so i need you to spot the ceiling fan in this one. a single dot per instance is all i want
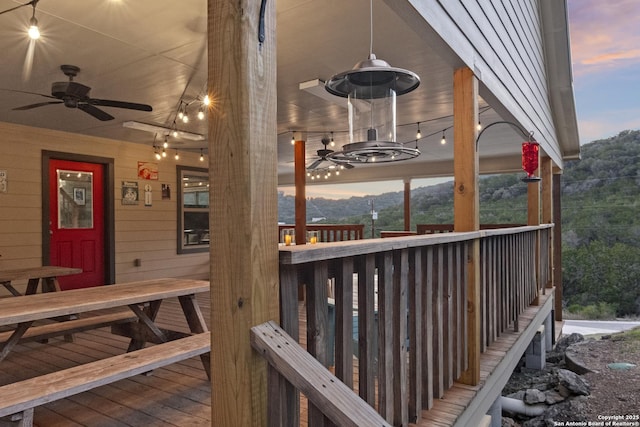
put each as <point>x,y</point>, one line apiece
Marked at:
<point>322,157</point>
<point>75,95</point>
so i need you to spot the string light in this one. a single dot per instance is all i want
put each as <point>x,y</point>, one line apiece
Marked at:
<point>418,133</point>
<point>443,141</point>
<point>479,127</point>
<point>332,141</point>
<point>293,139</point>
<point>206,100</point>
<point>201,113</point>
<point>177,156</point>
<point>180,111</point>
<point>166,141</point>
<point>201,155</point>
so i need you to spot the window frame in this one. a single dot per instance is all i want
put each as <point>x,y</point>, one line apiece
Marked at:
<point>182,246</point>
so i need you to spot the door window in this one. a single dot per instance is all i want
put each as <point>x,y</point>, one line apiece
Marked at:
<point>75,199</point>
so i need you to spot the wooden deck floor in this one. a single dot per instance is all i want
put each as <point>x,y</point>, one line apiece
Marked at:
<point>178,395</point>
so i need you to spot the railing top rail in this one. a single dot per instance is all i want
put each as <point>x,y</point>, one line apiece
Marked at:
<point>325,251</point>
<point>300,254</point>
<point>514,230</point>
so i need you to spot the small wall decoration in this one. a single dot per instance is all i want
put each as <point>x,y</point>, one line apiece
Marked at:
<point>79,196</point>
<point>148,199</point>
<point>166,192</point>
<point>147,170</point>
<point>3,181</point>
<point>129,193</point>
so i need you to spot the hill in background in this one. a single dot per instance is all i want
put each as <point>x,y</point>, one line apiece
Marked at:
<point>600,219</point>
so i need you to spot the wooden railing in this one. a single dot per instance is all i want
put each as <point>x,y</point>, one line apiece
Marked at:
<point>331,232</point>
<point>403,296</point>
<point>447,228</point>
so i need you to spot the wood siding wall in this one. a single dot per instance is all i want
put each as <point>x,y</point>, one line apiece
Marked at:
<point>147,233</point>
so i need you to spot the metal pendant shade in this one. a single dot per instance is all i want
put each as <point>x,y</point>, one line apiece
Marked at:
<point>371,79</point>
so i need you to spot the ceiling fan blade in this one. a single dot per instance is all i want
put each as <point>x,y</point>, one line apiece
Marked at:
<point>120,104</point>
<point>39,104</point>
<point>30,93</point>
<point>315,164</point>
<point>95,112</point>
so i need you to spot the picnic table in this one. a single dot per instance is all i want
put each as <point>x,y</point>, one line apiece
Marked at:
<point>143,299</point>
<point>46,274</point>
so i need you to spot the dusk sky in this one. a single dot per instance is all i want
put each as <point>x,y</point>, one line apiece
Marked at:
<point>605,45</point>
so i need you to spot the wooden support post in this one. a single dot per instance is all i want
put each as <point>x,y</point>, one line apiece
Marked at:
<point>407,204</point>
<point>533,218</point>
<point>466,204</point>
<point>557,244</point>
<point>243,157</point>
<point>300,174</point>
<point>546,173</point>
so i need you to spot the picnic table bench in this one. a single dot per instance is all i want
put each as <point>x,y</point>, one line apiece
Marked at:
<point>143,298</point>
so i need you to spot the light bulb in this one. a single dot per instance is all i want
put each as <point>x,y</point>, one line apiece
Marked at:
<point>200,114</point>
<point>332,142</point>
<point>158,156</point>
<point>418,134</point>
<point>206,100</point>
<point>177,156</point>
<point>180,114</point>
<point>479,127</point>
<point>164,153</point>
<point>166,142</point>
<point>293,139</point>
<point>185,118</point>
<point>34,32</point>
<point>201,156</point>
<point>443,141</point>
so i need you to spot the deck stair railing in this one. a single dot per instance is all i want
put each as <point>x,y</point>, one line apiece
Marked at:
<point>400,308</point>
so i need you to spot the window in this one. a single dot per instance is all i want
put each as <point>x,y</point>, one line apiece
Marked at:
<point>193,209</point>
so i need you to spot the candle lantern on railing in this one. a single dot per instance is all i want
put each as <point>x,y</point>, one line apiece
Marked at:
<point>530,155</point>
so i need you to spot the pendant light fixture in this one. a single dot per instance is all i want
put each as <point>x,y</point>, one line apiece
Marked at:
<point>371,87</point>
<point>34,32</point>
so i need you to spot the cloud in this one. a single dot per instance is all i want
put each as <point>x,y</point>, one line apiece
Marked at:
<point>592,129</point>
<point>604,34</point>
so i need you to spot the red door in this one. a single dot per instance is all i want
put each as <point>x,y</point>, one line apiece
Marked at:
<point>76,224</point>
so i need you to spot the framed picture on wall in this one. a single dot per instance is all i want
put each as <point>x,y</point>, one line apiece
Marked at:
<point>79,196</point>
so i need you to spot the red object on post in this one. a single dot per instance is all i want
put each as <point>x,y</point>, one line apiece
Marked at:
<point>530,154</point>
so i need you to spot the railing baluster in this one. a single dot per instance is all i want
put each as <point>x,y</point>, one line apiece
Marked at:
<point>317,326</point>
<point>428,325</point>
<point>385,336</point>
<point>344,320</point>
<point>400,283</point>
<point>416,325</point>
<point>438,320</point>
<point>366,328</point>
